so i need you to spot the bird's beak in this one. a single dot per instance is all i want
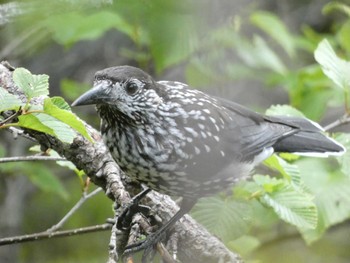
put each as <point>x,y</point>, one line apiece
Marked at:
<point>97,95</point>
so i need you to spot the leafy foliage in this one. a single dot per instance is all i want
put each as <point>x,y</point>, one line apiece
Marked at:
<point>54,118</point>
<point>89,27</point>
<point>235,216</point>
<point>31,85</point>
<point>289,202</point>
<point>275,28</point>
<point>333,67</point>
<point>8,101</point>
<point>309,195</point>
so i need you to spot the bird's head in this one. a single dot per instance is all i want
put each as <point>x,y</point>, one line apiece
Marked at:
<point>124,89</point>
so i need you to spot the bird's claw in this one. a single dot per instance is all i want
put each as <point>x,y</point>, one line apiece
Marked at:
<point>133,207</point>
<point>148,245</point>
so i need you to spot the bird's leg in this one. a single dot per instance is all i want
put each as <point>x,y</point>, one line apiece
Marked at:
<point>149,243</point>
<point>133,207</point>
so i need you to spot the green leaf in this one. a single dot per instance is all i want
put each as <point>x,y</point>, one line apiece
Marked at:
<point>32,85</point>
<point>289,171</point>
<point>244,245</point>
<point>344,35</point>
<point>170,44</point>
<point>290,204</point>
<point>61,130</point>
<point>8,101</point>
<point>269,184</point>
<point>60,103</point>
<point>30,121</point>
<point>335,6</point>
<point>69,28</point>
<point>338,70</point>
<point>332,194</point>
<point>43,178</point>
<point>226,218</point>
<point>47,124</point>
<point>55,121</point>
<point>66,117</point>
<point>283,110</point>
<point>260,55</point>
<point>275,28</point>
<point>344,160</point>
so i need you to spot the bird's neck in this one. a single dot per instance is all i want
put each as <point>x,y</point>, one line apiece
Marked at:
<point>113,117</point>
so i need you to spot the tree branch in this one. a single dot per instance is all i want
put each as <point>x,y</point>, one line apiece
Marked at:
<point>47,234</point>
<point>345,119</point>
<point>30,158</point>
<point>195,244</point>
<point>81,201</point>
<point>17,132</point>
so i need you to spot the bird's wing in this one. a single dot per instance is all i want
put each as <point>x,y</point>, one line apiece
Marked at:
<point>250,133</point>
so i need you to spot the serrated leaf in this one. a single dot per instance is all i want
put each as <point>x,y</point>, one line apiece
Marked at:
<point>8,101</point>
<point>292,206</point>
<point>274,27</point>
<point>338,70</point>
<point>344,160</point>
<point>32,85</point>
<point>269,184</point>
<point>283,110</point>
<point>60,103</point>
<point>332,194</point>
<point>289,171</point>
<point>43,178</point>
<point>226,218</point>
<point>30,121</point>
<point>66,117</point>
<point>61,130</point>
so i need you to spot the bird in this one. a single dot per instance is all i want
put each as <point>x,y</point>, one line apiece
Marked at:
<point>183,142</point>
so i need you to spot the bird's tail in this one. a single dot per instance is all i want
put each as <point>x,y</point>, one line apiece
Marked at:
<point>308,139</point>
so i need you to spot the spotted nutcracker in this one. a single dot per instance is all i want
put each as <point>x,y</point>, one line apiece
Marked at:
<point>184,142</point>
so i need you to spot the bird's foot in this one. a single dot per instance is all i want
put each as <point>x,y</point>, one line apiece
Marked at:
<point>148,245</point>
<point>133,207</point>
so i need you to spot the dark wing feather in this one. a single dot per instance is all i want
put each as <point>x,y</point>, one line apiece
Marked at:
<point>250,133</point>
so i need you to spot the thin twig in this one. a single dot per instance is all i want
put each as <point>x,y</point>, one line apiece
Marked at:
<point>73,210</point>
<point>13,116</point>
<point>31,158</point>
<point>47,235</point>
<point>16,132</point>
<point>339,122</point>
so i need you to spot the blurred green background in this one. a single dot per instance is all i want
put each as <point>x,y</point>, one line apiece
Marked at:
<point>255,52</point>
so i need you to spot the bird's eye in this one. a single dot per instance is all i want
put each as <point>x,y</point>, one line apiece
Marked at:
<point>131,88</point>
